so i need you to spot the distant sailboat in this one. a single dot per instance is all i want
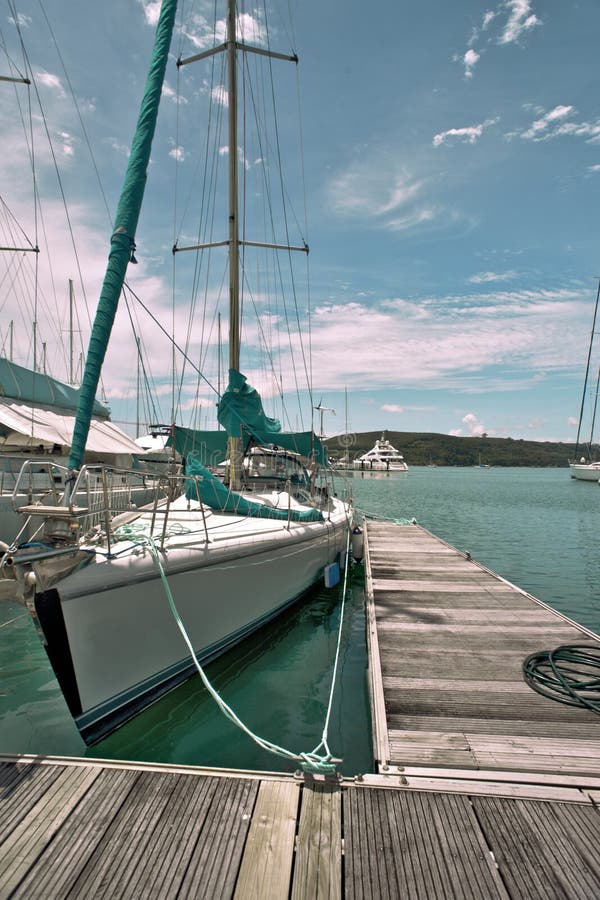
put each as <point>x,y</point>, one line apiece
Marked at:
<point>232,557</point>
<point>587,467</point>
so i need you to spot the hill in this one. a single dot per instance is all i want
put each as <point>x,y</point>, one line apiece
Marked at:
<point>421,449</point>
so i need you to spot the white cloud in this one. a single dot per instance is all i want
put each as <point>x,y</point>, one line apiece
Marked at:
<point>469,134</point>
<point>413,219</point>
<point>470,60</point>
<point>151,11</point>
<point>552,124</point>
<point>370,189</point>
<point>474,426</point>
<point>520,19</point>
<point>392,408</point>
<point>572,421</point>
<point>219,94</point>
<point>50,81</point>
<point>542,124</point>
<point>250,29</point>
<point>488,277</point>
<point>167,91</point>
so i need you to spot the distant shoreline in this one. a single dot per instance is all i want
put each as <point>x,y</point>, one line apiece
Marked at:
<point>430,449</point>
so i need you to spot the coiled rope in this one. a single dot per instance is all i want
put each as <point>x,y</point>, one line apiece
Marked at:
<point>318,761</point>
<point>569,674</point>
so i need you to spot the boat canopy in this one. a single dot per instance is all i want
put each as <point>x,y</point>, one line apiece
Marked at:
<point>27,386</point>
<point>210,490</point>
<point>240,410</point>
<point>28,426</point>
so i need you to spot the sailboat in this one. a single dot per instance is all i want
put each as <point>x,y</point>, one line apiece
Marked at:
<point>230,557</point>
<point>37,415</point>
<point>587,466</point>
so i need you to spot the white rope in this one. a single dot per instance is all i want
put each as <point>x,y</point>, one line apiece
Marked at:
<point>323,763</point>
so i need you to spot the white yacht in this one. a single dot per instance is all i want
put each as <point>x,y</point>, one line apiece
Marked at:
<point>381,458</point>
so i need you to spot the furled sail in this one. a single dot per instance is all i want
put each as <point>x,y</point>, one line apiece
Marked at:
<point>240,410</point>
<point>122,243</point>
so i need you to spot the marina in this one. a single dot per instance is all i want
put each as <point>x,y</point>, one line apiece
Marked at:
<point>496,798</point>
<point>168,659</point>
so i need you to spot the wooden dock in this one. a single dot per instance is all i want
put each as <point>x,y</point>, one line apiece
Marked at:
<point>83,828</point>
<point>483,788</point>
<point>447,639</point>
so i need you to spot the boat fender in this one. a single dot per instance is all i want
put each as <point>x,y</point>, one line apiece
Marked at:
<point>358,544</point>
<point>331,575</point>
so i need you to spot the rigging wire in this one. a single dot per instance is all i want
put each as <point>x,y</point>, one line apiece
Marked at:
<point>37,205</point>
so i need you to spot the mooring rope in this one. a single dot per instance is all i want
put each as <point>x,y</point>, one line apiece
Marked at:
<point>315,761</point>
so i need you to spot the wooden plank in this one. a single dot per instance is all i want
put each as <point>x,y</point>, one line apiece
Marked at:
<point>514,726</point>
<point>318,866</point>
<point>441,685</point>
<point>474,787</point>
<point>407,844</point>
<point>525,744</point>
<point>56,871</point>
<point>483,600</point>
<point>211,868</point>
<point>267,861</point>
<point>381,747</point>
<point>493,705</point>
<point>456,615</point>
<point>542,762</point>
<point>543,851</point>
<point>581,783</point>
<point>26,842</point>
<point>22,787</point>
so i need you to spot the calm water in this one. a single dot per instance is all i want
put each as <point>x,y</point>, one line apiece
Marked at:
<point>536,527</point>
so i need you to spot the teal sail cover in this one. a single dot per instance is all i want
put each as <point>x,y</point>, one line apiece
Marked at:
<point>209,447</point>
<point>241,407</point>
<point>122,242</point>
<point>27,386</point>
<point>210,490</point>
<point>240,411</point>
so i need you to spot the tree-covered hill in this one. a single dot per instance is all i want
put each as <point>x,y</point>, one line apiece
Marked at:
<point>446,450</point>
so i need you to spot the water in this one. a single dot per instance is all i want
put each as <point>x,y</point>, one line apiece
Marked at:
<point>536,527</point>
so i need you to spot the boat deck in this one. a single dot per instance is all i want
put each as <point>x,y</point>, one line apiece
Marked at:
<point>83,828</point>
<point>447,640</point>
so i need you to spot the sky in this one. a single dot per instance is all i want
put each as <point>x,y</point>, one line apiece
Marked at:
<point>451,161</point>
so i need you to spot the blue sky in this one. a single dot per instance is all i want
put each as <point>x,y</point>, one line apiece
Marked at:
<point>451,154</point>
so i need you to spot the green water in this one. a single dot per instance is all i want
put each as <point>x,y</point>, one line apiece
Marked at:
<point>536,527</point>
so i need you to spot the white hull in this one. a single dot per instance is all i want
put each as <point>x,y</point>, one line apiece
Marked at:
<point>378,466</point>
<point>585,471</point>
<point>112,638</point>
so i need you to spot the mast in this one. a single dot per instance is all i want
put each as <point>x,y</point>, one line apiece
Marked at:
<point>587,372</point>
<point>234,237</point>
<point>71,381</point>
<point>234,444</point>
<point>230,47</point>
